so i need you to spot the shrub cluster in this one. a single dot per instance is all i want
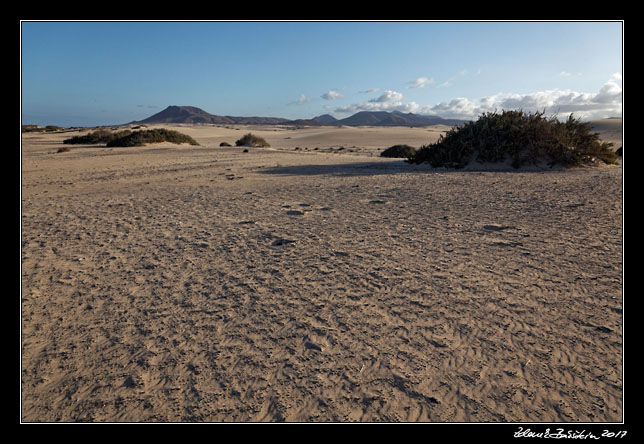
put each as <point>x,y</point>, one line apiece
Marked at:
<point>32,129</point>
<point>51,128</point>
<point>128,138</point>
<point>252,140</point>
<point>40,129</point>
<point>140,138</point>
<point>399,151</point>
<point>99,136</point>
<point>522,138</point>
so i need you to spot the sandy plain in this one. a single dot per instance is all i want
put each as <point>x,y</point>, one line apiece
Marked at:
<point>178,283</point>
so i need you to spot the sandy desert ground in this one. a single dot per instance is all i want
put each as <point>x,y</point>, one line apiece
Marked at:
<point>178,283</point>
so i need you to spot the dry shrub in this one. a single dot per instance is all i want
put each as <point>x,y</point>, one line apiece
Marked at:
<point>252,140</point>
<point>522,138</point>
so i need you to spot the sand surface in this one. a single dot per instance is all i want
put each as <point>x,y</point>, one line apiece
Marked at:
<point>179,283</point>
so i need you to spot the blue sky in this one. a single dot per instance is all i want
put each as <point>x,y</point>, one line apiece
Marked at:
<point>102,73</point>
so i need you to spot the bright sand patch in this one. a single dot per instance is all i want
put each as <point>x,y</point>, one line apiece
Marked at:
<point>178,283</point>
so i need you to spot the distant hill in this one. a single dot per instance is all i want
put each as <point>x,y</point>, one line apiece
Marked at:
<point>364,118</point>
<point>184,114</point>
<point>396,118</point>
<point>325,119</point>
<point>191,114</point>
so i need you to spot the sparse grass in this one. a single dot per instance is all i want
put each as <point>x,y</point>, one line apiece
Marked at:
<point>399,151</point>
<point>522,138</point>
<point>252,140</point>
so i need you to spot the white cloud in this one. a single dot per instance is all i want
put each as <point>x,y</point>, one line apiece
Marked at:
<point>372,90</point>
<point>568,74</point>
<point>332,95</point>
<point>611,91</point>
<point>420,82</point>
<point>387,101</point>
<point>607,102</point>
<point>302,100</point>
<point>587,106</point>
<point>459,107</point>
<point>388,96</point>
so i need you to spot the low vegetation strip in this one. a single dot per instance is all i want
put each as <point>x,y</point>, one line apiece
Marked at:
<point>518,137</point>
<point>99,136</point>
<point>140,138</point>
<point>40,129</point>
<point>127,138</point>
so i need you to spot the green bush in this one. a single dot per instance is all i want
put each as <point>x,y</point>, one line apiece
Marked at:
<point>140,138</point>
<point>399,151</point>
<point>128,138</point>
<point>99,136</point>
<point>225,144</point>
<point>519,137</point>
<point>252,140</point>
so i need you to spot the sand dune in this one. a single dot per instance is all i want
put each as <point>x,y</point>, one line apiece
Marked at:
<point>179,283</point>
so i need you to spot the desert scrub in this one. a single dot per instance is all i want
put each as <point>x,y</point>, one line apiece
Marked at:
<point>101,135</point>
<point>522,138</point>
<point>399,151</point>
<point>140,138</point>
<point>32,129</point>
<point>252,140</point>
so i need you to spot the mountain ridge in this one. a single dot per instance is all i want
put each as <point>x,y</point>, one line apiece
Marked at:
<point>192,114</point>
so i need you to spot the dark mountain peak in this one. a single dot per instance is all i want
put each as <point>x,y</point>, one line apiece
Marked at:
<point>182,114</point>
<point>325,119</point>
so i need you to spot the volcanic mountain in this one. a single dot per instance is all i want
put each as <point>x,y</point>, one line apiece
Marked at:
<point>191,114</point>
<point>395,118</point>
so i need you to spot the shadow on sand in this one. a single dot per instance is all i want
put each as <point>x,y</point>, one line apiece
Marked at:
<point>350,169</point>
<point>395,167</point>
